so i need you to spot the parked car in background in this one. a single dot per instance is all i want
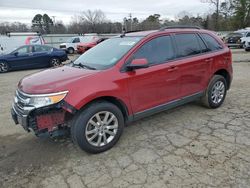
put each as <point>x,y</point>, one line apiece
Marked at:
<point>245,38</point>
<point>32,56</point>
<point>234,40</point>
<point>247,44</point>
<point>123,79</point>
<point>71,45</point>
<point>84,46</point>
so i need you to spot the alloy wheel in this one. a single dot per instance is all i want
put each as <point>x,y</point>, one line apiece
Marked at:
<point>218,92</point>
<point>3,67</point>
<point>55,62</point>
<point>101,129</point>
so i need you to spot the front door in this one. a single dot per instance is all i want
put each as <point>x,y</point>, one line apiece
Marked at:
<point>157,84</point>
<point>21,58</point>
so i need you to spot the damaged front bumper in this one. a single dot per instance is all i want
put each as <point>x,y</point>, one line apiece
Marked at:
<point>44,121</point>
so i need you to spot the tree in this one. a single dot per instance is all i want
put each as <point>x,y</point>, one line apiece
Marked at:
<point>215,3</point>
<point>42,23</point>
<point>242,13</point>
<point>151,22</point>
<point>13,27</point>
<point>93,18</point>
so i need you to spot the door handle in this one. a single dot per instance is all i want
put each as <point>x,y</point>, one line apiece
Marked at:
<point>173,68</point>
<point>208,60</point>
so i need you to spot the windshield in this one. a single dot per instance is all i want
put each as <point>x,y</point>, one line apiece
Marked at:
<point>86,39</point>
<point>107,53</point>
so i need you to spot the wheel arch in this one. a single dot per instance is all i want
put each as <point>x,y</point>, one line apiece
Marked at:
<point>114,100</point>
<point>226,75</point>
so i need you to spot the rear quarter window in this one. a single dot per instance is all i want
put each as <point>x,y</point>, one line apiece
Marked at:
<point>187,44</point>
<point>211,42</point>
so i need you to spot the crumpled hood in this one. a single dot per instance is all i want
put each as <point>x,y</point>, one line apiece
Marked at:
<point>53,80</point>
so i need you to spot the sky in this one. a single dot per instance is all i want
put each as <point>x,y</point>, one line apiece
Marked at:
<point>115,10</point>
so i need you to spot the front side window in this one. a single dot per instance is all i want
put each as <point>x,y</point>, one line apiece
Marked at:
<point>187,44</point>
<point>156,51</point>
<point>107,53</point>
<point>211,42</point>
<point>76,40</point>
<point>24,50</point>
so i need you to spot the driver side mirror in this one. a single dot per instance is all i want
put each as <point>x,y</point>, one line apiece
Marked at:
<point>16,54</point>
<point>138,64</point>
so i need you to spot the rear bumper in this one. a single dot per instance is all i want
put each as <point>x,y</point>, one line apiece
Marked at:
<point>234,44</point>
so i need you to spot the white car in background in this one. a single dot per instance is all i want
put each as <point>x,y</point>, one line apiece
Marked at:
<point>71,45</point>
<point>247,44</point>
<point>245,37</point>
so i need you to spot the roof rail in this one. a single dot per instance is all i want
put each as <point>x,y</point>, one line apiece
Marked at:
<point>179,27</point>
<point>125,32</point>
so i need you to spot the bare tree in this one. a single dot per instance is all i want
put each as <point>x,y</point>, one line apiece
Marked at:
<point>13,27</point>
<point>93,17</point>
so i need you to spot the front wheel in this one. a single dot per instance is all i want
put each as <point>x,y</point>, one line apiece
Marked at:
<point>98,127</point>
<point>4,67</point>
<point>71,50</point>
<point>216,92</point>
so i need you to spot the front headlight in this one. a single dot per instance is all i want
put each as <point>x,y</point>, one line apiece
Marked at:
<point>46,100</point>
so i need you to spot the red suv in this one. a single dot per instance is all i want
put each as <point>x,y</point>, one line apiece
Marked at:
<point>124,78</point>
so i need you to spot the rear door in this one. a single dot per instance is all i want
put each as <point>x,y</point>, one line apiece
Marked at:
<point>157,84</point>
<point>41,55</point>
<point>193,63</point>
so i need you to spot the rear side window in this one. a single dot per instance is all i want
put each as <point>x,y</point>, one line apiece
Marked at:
<point>187,44</point>
<point>42,48</point>
<point>211,42</point>
<point>156,51</point>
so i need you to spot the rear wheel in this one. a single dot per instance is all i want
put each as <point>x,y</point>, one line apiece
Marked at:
<point>55,62</point>
<point>71,50</point>
<point>98,127</point>
<point>216,92</point>
<point>4,67</point>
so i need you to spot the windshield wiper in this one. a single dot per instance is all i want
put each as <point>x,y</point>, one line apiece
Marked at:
<point>85,66</point>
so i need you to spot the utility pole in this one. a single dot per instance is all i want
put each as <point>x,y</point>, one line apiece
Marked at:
<point>54,19</point>
<point>131,24</point>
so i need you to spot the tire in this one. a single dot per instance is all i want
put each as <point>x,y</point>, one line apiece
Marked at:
<point>215,93</point>
<point>71,50</point>
<point>89,133</point>
<point>55,62</point>
<point>4,67</point>
<point>247,49</point>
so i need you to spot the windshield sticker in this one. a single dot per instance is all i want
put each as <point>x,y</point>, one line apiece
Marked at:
<point>127,43</point>
<point>113,60</point>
